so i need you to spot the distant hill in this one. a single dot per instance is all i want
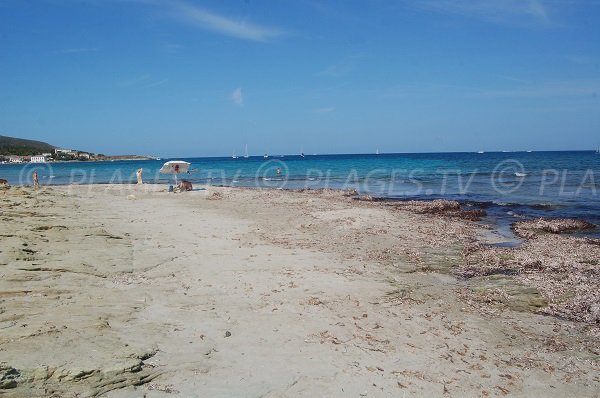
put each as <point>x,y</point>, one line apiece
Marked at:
<point>22,147</point>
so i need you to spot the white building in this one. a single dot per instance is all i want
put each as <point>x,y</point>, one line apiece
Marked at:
<point>15,159</point>
<point>38,159</point>
<point>65,151</point>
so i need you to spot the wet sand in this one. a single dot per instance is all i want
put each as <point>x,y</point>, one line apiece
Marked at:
<point>128,291</point>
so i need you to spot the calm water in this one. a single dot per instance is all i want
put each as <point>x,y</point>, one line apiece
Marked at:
<point>509,185</point>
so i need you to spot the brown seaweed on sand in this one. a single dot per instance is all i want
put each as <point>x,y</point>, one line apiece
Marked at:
<point>531,228</point>
<point>447,208</point>
<point>564,269</point>
<point>215,195</point>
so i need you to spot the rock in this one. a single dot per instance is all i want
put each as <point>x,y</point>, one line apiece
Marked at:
<point>228,334</point>
<point>8,377</point>
<point>595,313</point>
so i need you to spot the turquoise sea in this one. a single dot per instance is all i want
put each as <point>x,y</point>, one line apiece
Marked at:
<point>509,185</point>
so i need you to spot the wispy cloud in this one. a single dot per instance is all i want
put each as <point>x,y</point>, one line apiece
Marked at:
<point>342,67</point>
<point>513,89</point>
<point>78,50</point>
<point>157,83</point>
<point>513,79</point>
<point>499,11</point>
<point>589,88</point>
<point>237,97</point>
<point>144,81</point>
<point>220,24</point>
<point>136,80</point>
<point>328,109</point>
<point>584,59</point>
<point>172,47</point>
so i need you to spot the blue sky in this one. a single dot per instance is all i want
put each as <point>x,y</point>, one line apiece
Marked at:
<point>192,78</point>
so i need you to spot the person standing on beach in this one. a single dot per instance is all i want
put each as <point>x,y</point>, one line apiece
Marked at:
<point>36,182</point>
<point>139,176</point>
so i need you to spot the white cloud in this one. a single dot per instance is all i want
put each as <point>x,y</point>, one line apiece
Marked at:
<point>237,97</point>
<point>220,24</point>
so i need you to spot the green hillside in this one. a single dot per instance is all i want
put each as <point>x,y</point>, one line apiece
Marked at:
<point>22,147</point>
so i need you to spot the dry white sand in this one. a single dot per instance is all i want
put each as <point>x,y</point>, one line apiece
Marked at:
<point>128,291</point>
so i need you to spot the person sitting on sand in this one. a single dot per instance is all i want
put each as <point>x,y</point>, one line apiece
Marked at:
<point>139,176</point>
<point>36,182</point>
<point>185,186</point>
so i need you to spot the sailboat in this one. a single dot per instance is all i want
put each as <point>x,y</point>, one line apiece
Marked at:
<point>377,151</point>
<point>246,152</point>
<point>265,156</point>
<point>598,150</point>
<point>302,152</point>
<point>233,156</point>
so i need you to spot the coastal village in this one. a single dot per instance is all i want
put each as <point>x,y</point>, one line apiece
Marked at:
<point>18,150</point>
<point>57,155</point>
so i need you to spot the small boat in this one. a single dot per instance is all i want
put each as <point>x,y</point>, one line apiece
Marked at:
<point>377,151</point>
<point>246,152</point>
<point>480,152</point>
<point>233,156</point>
<point>265,156</point>
<point>598,150</point>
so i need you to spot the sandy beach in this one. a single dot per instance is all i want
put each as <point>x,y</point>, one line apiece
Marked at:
<point>131,291</point>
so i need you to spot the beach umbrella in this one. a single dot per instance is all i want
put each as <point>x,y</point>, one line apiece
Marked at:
<point>175,167</point>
